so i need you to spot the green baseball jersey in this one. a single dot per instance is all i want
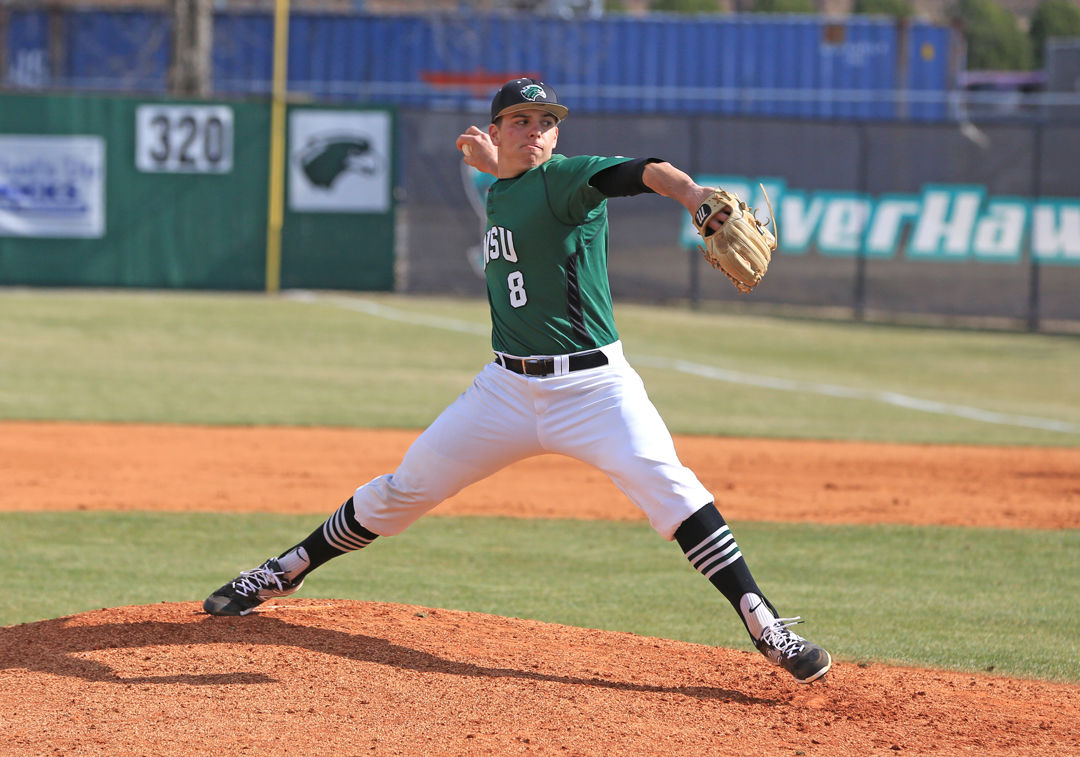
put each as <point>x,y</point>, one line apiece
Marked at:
<point>546,259</point>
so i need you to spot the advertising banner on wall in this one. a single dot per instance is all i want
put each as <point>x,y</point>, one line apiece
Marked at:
<point>943,223</point>
<point>339,161</point>
<point>52,186</point>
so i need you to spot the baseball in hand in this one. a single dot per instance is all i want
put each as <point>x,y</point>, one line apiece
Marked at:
<point>467,149</point>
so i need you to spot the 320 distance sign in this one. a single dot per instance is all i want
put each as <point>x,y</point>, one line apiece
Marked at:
<point>184,138</point>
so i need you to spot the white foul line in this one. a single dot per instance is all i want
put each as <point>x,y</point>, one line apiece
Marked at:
<point>872,395</point>
<point>391,314</point>
<point>723,374</point>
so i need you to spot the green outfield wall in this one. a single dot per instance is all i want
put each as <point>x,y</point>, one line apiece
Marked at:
<point>123,191</point>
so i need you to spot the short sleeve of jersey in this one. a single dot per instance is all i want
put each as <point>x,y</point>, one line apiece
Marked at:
<point>567,183</point>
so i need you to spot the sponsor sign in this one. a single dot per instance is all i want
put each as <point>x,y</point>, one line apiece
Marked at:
<point>944,222</point>
<point>52,186</point>
<point>339,161</point>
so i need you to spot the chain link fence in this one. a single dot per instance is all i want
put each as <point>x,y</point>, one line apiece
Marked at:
<point>991,276</point>
<point>839,158</point>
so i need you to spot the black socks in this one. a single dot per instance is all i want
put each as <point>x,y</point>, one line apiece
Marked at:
<point>338,535</point>
<point>711,548</point>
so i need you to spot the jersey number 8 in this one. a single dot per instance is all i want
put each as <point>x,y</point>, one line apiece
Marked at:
<point>516,283</point>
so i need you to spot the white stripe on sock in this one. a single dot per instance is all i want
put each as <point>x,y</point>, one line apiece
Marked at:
<point>723,565</point>
<point>705,542</point>
<point>710,553</point>
<point>715,552</point>
<point>705,565</point>
<point>339,535</point>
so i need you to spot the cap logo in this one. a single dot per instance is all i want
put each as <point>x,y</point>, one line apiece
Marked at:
<point>532,92</point>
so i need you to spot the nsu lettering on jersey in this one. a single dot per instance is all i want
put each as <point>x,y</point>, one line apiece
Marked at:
<point>499,243</point>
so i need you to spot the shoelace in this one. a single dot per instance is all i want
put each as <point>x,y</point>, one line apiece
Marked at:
<point>777,636</point>
<point>250,581</point>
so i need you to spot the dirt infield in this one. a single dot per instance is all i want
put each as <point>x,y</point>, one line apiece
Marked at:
<point>302,470</point>
<point>347,678</point>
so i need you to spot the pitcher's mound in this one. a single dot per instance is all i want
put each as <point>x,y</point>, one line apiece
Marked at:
<point>346,678</point>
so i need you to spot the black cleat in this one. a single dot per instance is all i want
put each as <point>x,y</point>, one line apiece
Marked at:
<point>250,589</point>
<point>803,659</point>
<point>774,638</point>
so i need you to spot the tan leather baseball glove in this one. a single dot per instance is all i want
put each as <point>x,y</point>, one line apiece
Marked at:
<point>742,247</point>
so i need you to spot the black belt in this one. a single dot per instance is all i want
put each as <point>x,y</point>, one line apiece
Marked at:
<point>545,366</point>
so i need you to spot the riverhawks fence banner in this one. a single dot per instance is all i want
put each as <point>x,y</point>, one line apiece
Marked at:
<point>944,222</point>
<point>339,161</point>
<point>52,186</point>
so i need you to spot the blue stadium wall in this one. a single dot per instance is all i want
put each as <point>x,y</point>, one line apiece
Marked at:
<point>788,66</point>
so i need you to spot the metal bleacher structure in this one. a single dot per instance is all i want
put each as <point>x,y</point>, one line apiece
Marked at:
<point>799,66</point>
<point>822,66</point>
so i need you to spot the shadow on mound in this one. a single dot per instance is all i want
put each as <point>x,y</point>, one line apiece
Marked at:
<point>53,646</point>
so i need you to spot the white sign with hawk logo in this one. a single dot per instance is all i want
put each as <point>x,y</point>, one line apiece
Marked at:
<point>339,161</point>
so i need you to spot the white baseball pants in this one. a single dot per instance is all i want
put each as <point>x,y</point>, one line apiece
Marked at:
<point>601,416</point>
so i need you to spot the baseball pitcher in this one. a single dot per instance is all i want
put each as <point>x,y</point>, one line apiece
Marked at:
<point>559,381</point>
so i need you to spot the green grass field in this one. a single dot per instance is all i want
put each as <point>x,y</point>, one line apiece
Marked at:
<point>972,599</point>
<point>236,359</point>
